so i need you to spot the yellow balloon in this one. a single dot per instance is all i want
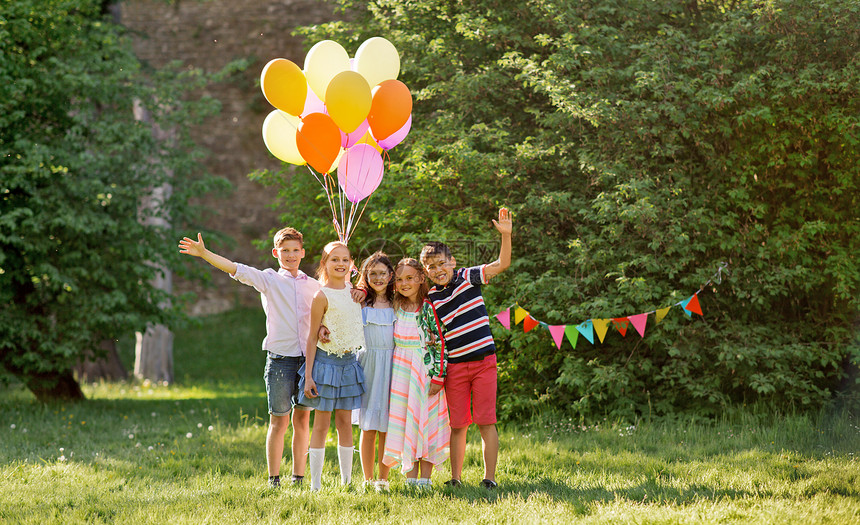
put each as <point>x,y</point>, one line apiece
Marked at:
<point>368,139</point>
<point>348,100</point>
<point>284,85</point>
<point>279,136</point>
<point>325,60</point>
<point>377,60</point>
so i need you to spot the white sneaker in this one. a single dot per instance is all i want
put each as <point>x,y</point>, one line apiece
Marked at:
<point>382,485</point>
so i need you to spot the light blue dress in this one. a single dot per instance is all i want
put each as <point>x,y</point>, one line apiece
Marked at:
<point>375,360</point>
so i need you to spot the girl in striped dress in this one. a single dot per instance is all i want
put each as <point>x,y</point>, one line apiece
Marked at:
<point>418,431</point>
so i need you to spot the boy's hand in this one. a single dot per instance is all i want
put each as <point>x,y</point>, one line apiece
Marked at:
<point>310,388</point>
<point>192,247</point>
<point>358,295</point>
<point>435,389</point>
<point>323,334</point>
<point>505,225</point>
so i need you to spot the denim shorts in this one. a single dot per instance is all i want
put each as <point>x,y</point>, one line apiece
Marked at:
<point>282,383</point>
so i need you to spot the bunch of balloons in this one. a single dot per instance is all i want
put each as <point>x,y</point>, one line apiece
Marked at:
<point>338,113</point>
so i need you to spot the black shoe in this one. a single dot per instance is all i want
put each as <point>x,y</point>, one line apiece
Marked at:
<point>274,481</point>
<point>453,483</point>
<point>297,480</point>
<point>489,484</point>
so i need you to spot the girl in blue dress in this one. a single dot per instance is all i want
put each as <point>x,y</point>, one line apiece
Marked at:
<point>377,279</point>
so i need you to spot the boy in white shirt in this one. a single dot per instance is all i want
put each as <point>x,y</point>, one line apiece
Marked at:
<point>286,295</point>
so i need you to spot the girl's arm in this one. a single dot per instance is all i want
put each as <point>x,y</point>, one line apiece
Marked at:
<point>318,308</point>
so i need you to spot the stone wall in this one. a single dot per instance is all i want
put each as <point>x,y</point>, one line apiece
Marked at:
<point>208,34</point>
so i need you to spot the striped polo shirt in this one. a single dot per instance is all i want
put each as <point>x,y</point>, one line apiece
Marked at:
<point>460,307</point>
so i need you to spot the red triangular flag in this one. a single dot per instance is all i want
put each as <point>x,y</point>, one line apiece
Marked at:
<point>621,324</point>
<point>693,305</point>
<point>529,322</point>
<point>504,317</point>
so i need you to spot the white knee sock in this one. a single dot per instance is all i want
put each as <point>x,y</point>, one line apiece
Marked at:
<point>316,458</point>
<point>344,457</point>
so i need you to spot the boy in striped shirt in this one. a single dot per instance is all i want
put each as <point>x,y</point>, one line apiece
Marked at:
<point>470,385</point>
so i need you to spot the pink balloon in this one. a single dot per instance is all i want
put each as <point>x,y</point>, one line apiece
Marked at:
<point>348,140</point>
<point>313,104</point>
<point>360,171</point>
<point>397,137</point>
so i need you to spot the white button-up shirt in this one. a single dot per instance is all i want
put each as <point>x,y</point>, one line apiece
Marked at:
<point>287,303</point>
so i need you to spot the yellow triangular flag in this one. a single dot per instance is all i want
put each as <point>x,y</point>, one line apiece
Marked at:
<point>661,313</point>
<point>600,326</point>
<point>519,315</point>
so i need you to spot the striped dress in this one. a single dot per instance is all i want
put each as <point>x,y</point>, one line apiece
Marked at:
<point>417,425</point>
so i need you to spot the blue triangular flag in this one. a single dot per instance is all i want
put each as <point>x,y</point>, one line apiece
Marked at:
<point>587,330</point>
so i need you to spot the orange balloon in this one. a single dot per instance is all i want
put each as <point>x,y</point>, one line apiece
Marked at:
<point>284,85</point>
<point>390,108</point>
<point>318,141</point>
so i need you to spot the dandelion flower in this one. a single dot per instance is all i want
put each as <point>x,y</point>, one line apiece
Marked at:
<point>211,428</point>
<point>189,435</point>
<point>199,425</point>
<point>131,436</point>
<point>12,426</point>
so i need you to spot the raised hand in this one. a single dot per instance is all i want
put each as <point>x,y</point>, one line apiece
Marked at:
<point>505,224</point>
<point>191,247</point>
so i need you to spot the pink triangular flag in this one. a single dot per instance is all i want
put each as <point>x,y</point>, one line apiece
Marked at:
<point>504,317</point>
<point>557,332</point>
<point>639,321</point>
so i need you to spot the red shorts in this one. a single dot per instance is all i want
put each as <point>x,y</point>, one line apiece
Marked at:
<point>471,389</point>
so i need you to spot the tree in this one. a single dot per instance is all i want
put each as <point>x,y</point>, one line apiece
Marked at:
<point>640,144</point>
<point>76,264</point>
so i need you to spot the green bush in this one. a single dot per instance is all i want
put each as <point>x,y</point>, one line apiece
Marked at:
<point>640,144</point>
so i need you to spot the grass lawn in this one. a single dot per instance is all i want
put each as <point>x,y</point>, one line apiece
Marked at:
<point>193,452</point>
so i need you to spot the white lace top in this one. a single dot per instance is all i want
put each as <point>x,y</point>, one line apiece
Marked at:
<point>343,319</point>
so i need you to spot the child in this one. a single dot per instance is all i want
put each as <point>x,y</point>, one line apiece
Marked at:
<point>332,378</point>
<point>418,431</point>
<point>469,346</point>
<point>286,296</point>
<point>377,278</point>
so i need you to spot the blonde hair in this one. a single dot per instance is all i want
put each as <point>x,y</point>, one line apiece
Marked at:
<point>373,260</point>
<point>423,289</point>
<point>322,275</point>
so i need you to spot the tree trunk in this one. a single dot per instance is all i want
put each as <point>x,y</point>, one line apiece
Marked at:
<point>108,367</point>
<point>154,348</point>
<point>50,386</point>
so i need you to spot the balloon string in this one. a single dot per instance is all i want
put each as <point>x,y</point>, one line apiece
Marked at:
<point>360,215</point>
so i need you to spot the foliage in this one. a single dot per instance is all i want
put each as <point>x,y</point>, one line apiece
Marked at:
<point>194,452</point>
<point>77,251</point>
<point>639,143</point>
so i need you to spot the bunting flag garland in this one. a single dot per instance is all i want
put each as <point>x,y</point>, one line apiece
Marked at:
<point>639,321</point>
<point>557,332</point>
<point>693,305</point>
<point>621,324</point>
<point>586,328</point>
<point>661,313</point>
<point>600,326</point>
<point>504,317</point>
<point>519,315</point>
<point>572,335</point>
